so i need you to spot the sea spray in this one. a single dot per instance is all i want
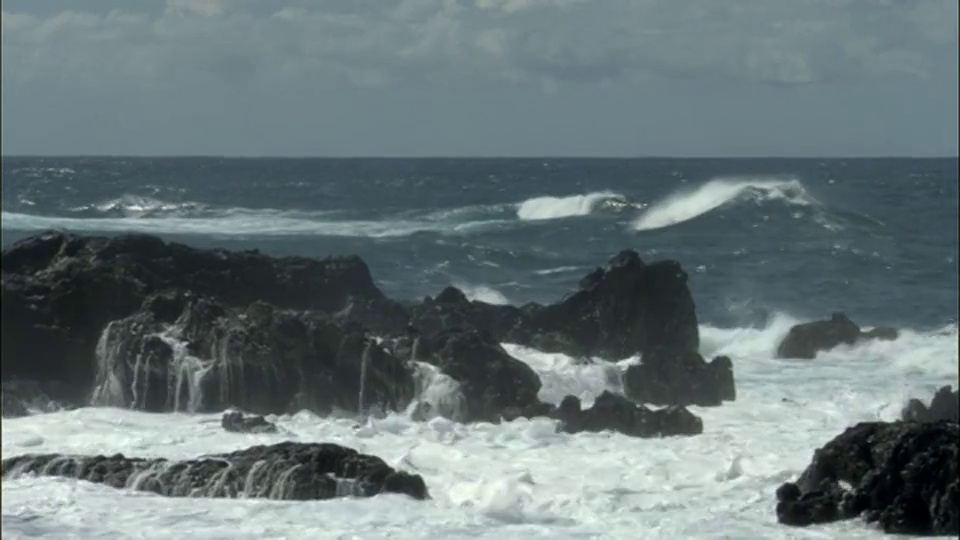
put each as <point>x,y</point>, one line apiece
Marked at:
<point>688,204</point>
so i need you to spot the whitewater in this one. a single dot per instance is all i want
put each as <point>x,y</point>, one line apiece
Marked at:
<point>518,479</point>
<point>766,244</point>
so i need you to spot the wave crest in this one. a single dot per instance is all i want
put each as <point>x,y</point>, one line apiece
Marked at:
<point>549,207</point>
<point>688,204</point>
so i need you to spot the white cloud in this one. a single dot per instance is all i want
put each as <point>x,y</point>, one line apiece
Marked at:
<point>782,42</point>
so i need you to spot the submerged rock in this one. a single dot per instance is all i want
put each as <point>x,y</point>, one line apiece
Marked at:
<point>945,405</point>
<point>611,412</point>
<point>807,339</point>
<point>680,378</point>
<point>235,422</point>
<point>902,475</point>
<point>288,471</point>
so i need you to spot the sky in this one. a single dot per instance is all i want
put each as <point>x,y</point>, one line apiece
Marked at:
<point>585,78</point>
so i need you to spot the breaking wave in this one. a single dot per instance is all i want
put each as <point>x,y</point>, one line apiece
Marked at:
<point>686,205</point>
<point>543,208</point>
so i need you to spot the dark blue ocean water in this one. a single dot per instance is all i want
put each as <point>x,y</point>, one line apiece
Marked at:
<point>876,238</point>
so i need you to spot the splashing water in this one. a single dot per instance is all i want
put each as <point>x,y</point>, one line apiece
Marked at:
<point>686,205</point>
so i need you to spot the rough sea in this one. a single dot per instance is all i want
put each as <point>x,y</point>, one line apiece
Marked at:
<point>767,243</point>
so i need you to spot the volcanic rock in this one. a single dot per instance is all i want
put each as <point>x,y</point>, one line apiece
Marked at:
<point>611,412</point>
<point>287,471</point>
<point>902,475</point>
<point>680,378</point>
<point>945,405</point>
<point>807,339</point>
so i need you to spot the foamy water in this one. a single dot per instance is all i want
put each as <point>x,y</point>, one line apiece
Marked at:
<point>688,204</point>
<point>515,480</point>
<point>543,208</point>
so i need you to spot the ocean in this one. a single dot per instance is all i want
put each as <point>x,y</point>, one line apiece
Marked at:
<point>767,243</point>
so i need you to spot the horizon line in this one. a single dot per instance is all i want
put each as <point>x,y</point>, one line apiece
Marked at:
<point>490,157</point>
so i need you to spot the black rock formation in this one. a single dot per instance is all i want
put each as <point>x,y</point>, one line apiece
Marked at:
<point>680,378</point>
<point>494,384</point>
<point>260,358</point>
<point>902,475</point>
<point>19,397</point>
<point>807,339</point>
<point>235,422</point>
<point>134,321</point>
<point>288,471</point>
<point>611,412</point>
<point>945,405</point>
<point>625,309</point>
<point>59,292</point>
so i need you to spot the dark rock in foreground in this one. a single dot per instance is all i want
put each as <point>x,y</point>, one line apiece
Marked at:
<point>235,422</point>
<point>611,412</point>
<point>945,405</point>
<point>288,471</point>
<point>902,475</point>
<point>680,378</point>
<point>807,339</point>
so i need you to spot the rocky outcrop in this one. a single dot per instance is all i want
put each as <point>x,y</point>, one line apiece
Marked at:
<point>235,422</point>
<point>494,384</point>
<point>134,321</point>
<point>667,377</point>
<point>945,405</point>
<point>807,339</point>
<point>611,412</point>
<point>287,471</point>
<point>59,291</point>
<point>627,308</point>
<point>260,358</point>
<point>901,475</point>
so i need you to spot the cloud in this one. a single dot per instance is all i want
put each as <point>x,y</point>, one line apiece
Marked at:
<point>551,42</point>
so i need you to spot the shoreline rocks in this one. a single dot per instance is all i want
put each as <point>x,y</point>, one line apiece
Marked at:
<point>805,340</point>
<point>204,329</point>
<point>945,405</point>
<point>901,475</point>
<point>284,471</point>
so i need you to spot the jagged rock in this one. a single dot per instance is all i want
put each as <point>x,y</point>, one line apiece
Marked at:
<point>59,291</point>
<point>493,383</point>
<point>58,326</point>
<point>902,475</point>
<point>628,308</point>
<point>611,412</point>
<point>235,422</point>
<point>262,359</point>
<point>287,471</point>
<point>945,405</point>
<point>680,378</point>
<point>21,396</point>
<point>807,339</point>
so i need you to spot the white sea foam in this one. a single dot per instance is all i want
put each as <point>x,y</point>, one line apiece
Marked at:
<point>482,293</point>
<point>242,222</point>
<point>543,208</point>
<point>687,204</point>
<point>520,479</point>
